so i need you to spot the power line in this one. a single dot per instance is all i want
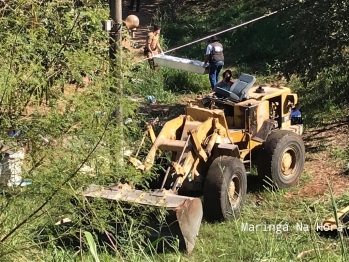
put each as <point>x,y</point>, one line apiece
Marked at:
<point>224,31</point>
<point>221,32</point>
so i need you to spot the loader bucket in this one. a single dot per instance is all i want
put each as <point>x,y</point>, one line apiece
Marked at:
<point>184,213</point>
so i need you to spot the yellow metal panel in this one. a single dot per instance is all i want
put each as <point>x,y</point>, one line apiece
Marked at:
<point>202,114</point>
<point>269,92</point>
<point>285,107</point>
<point>239,116</point>
<point>230,121</point>
<point>262,113</point>
<point>197,146</point>
<point>237,135</point>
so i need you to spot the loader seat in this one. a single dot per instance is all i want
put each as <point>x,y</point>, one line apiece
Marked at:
<point>239,90</point>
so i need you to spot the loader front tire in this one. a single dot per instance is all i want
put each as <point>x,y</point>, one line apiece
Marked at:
<point>282,158</point>
<point>225,189</point>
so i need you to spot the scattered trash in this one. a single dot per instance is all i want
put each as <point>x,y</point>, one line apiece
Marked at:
<point>151,99</point>
<point>154,122</point>
<point>15,133</point>
<point>11,168</point>
<point>128,121</point>
<point>259,200</point>
<point>25,182</point>
<point>127,152</point>
<point>46,140</point>
<point>135,99</point>
<point>85,169</point>
<point>63,221</point>
<point>300,255</point>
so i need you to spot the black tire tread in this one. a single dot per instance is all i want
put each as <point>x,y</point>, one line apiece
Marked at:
<point>270,150</point>
<point>214,186</point>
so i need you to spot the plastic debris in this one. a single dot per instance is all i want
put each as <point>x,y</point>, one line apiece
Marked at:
<point>151,99</point>
<point>63,221</point>
<point>25,182</point>
<point>46,140</point>
<point>11,168</point>
<point>15,133</point>
<point>128,121</point>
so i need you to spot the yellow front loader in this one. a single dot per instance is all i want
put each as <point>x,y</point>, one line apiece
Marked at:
<point>211,146</point>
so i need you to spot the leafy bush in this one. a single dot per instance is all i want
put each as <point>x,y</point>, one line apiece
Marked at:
<point>73,134</point>
<point>164,84</point>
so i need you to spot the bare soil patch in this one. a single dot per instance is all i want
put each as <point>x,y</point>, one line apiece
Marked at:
<point>325,164</point>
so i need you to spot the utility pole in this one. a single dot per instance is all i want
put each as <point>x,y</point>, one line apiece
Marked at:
<point>115,7</point>
<point>115,55</point>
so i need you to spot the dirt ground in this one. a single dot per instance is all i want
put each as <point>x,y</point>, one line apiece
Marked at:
<point>325,164</point>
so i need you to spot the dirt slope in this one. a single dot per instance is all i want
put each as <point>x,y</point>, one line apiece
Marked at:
<point>145,15</point>
<point>327,150</point>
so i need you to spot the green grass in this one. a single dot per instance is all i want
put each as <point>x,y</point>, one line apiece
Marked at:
<point>286,228</point>
<point>229,241</point>
<point>340,153</point>
<point>167,85</point>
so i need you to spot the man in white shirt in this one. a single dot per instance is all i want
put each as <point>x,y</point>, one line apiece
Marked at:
<point>214,56</point>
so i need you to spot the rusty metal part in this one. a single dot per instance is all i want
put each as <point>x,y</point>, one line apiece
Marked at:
<point>187,139</point>
<point>188,210</point>
<point>234,191</point>
<point>189,216</point>
<point>165,178</point>
<point>159,198</point>
<point>197,145</point>
<point>288,161</point>
<point>211,143</point>
<point>136,163</point>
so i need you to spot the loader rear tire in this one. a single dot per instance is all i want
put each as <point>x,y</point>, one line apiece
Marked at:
<point>225,189</point>
<point>281,158</point>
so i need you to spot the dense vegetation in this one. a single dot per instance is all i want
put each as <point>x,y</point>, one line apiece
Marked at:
<point>46,45</point>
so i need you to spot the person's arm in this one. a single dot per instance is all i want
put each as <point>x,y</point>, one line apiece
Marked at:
<point>149,40</point>
<point>158,46</point>
<point>207,58</point>
<point>207,54</point>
